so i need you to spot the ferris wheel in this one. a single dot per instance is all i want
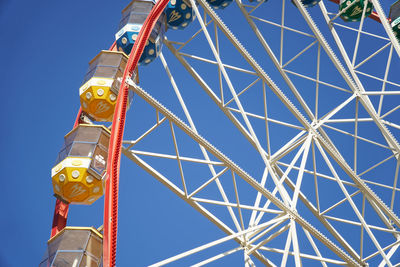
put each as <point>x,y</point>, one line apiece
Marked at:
<point>278,121</point>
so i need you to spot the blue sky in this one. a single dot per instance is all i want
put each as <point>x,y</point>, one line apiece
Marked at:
<point>44,50</point>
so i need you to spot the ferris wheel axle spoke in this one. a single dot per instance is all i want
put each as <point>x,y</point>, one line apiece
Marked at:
<point>299,179</point>
<point>322,219</point>
<point>262,74</point>
<point>249,126</point>
<point>277,233</point>
<point>242,174</point>
<point>204,152</point>
<point>206,246</point>
<point>208,90</point>
<point>389,254</point>
<point>250,137</point>
<point>356,87</point>
<point>274,222</point>
<point>353,205</point>
<point>237,200</point>
<point>332,151</point>
<point>261,233</point>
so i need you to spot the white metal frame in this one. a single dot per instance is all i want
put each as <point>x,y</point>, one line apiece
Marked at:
<point>277,210</point>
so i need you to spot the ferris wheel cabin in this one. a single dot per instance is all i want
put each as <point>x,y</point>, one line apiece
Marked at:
<point>179,14</point>
<point>352,10</point>
<point>81,165</point>
<point>394,16</point>
<point>99,91</point>
<point>308,3</point>
<point>219,4</point>
<point>74,246</point>
<point>133,18</point>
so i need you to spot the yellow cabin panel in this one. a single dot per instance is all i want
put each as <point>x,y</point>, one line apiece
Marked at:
<point>97,99</point>
<point>74,183</point>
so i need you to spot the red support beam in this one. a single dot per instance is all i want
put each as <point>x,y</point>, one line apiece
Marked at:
<point>61,209</point>
<point>60,217</point>
<point>117,132</point>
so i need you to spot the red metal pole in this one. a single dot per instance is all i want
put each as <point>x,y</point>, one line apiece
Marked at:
<point>117,132</point>
<point>61,208</point>
<point>60,217</point>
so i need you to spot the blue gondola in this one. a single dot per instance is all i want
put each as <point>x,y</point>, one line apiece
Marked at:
<point>219,4</point>
<point>179,14</point>
<point>308,3</point>
<point>133,17</point>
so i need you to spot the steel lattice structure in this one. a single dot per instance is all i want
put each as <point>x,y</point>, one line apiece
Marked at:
<point>282,208</point>
<point>314,100</point>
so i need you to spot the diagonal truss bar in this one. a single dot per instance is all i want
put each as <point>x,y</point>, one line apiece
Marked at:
<point>356,85</point>
<point>246,177</point>
<point>276,61</point>
<point>327,144</point>
<point>192,125</point>
<point>283,193</point>
<point>353,205</point>
<point>322,219</point>
<point>200,248</point>
<point>330,148</point>
<point>386,25</point>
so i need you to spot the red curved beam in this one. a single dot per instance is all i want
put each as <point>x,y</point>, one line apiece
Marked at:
<point>61,209</point>
<point>117,132</point>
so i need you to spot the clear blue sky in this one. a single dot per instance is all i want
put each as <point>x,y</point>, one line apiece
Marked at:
<point>44,50</point>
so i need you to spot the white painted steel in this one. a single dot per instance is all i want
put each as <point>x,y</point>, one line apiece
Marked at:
<point>282,208</point>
